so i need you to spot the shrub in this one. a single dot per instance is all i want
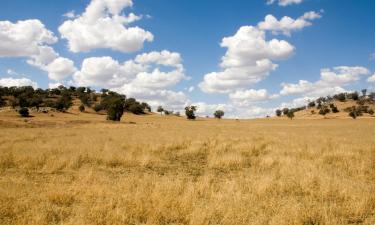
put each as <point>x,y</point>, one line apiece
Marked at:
<point>285,111</point>
<point>115,110</point>
<point>278,112</point>
<point>160,109</point>
<point>290,114</point>
<point>98,107</point>
<point>64,102</point>
<point>190,112</point>
<point>218,114</point>
<point>341,97</point>
<point>136,109</point>
<point>311,104</point>
<point>81,108</point>
<point>24,112</point>
<point>353,114</point>
<point>371,112</point>
<point>324,110</point>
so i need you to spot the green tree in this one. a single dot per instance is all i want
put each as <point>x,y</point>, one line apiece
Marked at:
<point>81,108</point>
<point>278,112</point>
<point>218,114</point>
<point>290,114</point>
<point>160,109</point>
<point>190,112</point>
<point>115,109</point>
<point>24,112</point>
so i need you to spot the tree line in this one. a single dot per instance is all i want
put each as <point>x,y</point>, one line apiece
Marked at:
<point>325,105</point>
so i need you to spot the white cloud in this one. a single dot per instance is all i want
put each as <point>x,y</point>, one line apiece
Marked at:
<point>54,85</point>
<point>10,82</point>
<point>247,61</point>
<point>24,38</point>
<point>70,14</point>
<point>30,38</point>
<point>284,2</point>
<point>246,98</point>
<point>103,25</point>
<point>148,77</point>
<point>286,24</point>
<point>371,79</point>
<point>332,81</point>
<point>191,89</point>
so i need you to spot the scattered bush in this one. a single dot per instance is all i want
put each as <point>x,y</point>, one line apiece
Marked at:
<point>98,107</point>
<point>190,112</point>
<point>160,109</point>
<point>218,114</point>
<point>278,112</point>
<point>371,112</point>
<point>290,114</point>
<point>311,104</point>
<point>285,111</point>
<point>24,112</point>
<point>115,110</point>
<point>81,108</point>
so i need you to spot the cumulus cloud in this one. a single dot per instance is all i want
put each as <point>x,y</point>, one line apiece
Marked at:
<point>371,79</point>
<point>248,60</point>
<point>332,81</point>
<point>103,25</point>
<point>245,98</point>
<point>286,24</point>
<point>24,38</point>
<point>148,77</point>
<point>17,82</point>
<point>284,2</point>
<point>30,38</point>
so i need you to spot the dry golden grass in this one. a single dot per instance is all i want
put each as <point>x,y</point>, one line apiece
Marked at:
<point>80,169</point>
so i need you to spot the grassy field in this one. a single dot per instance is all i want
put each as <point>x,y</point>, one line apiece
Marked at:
<point>81,170</point>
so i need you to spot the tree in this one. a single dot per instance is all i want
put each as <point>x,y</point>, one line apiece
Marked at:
<point>160,109</point>
<point>24,112</point>
<point>364,92</point>
<point>98,107</point>
<point>278,112</point>
<point>81,108</point>
<point>371,112</point>
<point>324,110</point>
<point>353,114</point>
<point>190,112</point>
<point>136,109</point>
<point>311,104</point>
<point>64,102</point>
<point>285,111</point>
<point>218,114</point>
<point>115,109</point>
<point>290,114</point>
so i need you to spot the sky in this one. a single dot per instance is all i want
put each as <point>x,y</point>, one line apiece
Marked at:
<point>244,57</point>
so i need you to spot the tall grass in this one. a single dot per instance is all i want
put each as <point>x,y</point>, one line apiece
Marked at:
<point>172,171</point>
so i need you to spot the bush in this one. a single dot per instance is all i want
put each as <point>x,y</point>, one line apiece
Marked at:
<point>24,112</point>
<point>64,102</point>
<point>311,104</point>
<point>324,110</point>
<point>285,111</point>
<point>160,109</point>
<point>353,114</point>
<point>290,114</point>
<point>371,112</point>
<point>98,107</point>
<point>136,109</point>
<point>278,112</point>
<point>218,114</point>
<point>190,112</point>
<point>81,108</point>
<point>115,110</point>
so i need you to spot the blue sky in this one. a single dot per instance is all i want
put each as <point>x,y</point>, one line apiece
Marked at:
<point>339,37</point>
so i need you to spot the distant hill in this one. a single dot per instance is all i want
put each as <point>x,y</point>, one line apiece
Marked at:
<point>343,105</point>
